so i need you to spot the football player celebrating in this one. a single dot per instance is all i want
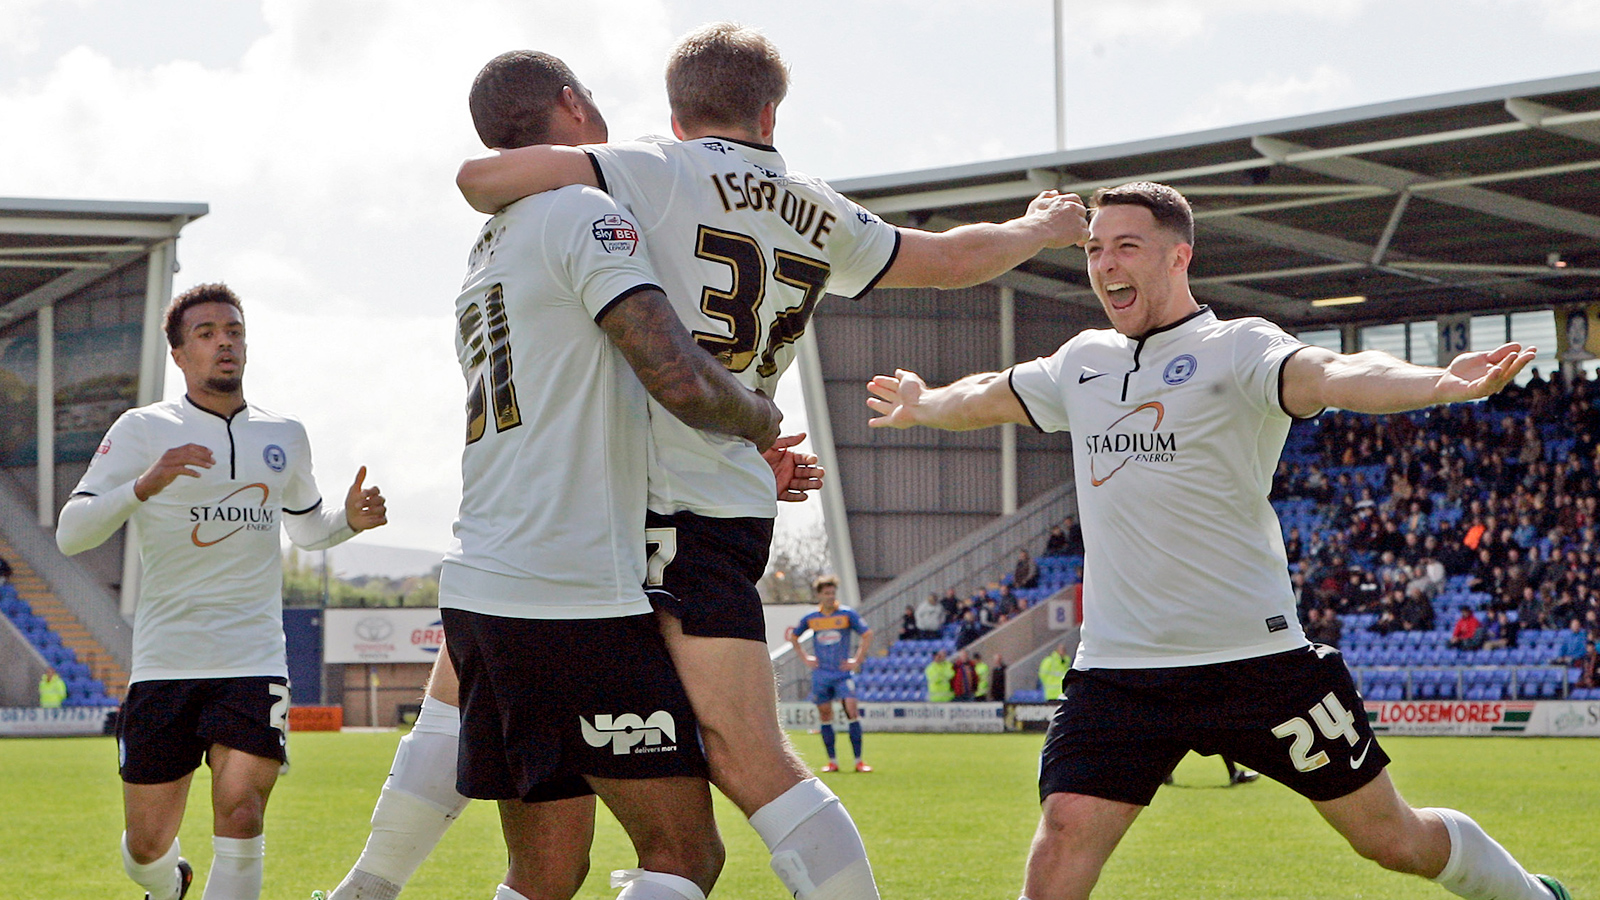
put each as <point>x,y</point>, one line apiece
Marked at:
<point>207,479</point>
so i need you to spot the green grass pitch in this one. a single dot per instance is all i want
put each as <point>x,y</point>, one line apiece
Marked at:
<point>947,816</point>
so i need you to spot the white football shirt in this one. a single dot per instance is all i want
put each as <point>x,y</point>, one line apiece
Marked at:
<point>1174,440</point>
<point>553,475</point>
<point>745,249</point>
<point>211,600</point>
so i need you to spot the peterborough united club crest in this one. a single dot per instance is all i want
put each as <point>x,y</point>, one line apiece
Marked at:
<point>616,234</point>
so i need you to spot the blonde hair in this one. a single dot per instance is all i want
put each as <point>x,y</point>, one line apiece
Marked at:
<point>724,74</point>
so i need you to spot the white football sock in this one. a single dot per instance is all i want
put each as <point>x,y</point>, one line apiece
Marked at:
<point>417,806</point>
<point>504,893</point>
<point>816,850</point>
<point>236,868</point>
<point>643,884</point>
<point>1479,868</point>
<point>158,878</point>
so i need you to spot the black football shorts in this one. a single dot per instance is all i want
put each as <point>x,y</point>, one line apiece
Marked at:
<point>545,702</point>
<point>703,570</point>
<point>166,727</point>
<point>1295,717</point>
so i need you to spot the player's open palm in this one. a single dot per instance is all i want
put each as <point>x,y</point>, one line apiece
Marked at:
<point>895,398</point>
<point>1475,375</point>
<point>364,506</point>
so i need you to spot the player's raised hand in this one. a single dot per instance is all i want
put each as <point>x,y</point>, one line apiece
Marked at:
<point>895,398</point>
<point>364,506</point>
<point>1472,376</point>
<point>182,460</point>
<point>1064,218</point>
<point>794,473</point>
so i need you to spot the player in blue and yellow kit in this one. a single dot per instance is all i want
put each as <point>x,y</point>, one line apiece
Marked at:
<point>832,667</point>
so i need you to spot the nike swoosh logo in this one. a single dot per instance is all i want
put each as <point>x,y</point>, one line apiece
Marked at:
<point>1085,376</point>
<point>1356,761</point>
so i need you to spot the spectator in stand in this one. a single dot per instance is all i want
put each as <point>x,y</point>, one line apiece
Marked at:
<point>1529,608</point>
<point>1294,547</point>
<point>930,617</point>
<point>1570,649</point>
<point>983,672</point>
<point>52,690</point>
<point>1008,605</point>
<point>1055,543</point>
<point>997,680</point>
<point>1430,577</point>
<point>8,593</point>
<point>963,677</point>
<point>1388,617</point>
<point>1324,627</point>
<point>939,673</point>
<point>968,630</point>
<point>1493,631</point>
<point>1465,636</point>
<point>908,624</point>
<point>1360,593</point>
<point>1074,536</point>
<point>1416,613</point>
<point>952,606</point>
<point>1053,670</point>
<point>1026,573</point>
<point>1589,666</point>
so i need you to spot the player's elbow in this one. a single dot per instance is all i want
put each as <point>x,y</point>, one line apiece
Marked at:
<point>68,545</point>
<point>474,186</point>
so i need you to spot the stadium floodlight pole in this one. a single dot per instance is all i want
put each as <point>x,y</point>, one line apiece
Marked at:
<point>1061,74</point>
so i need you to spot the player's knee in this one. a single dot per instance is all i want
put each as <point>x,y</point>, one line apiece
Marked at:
<point>144,847</point>
<point>546,880</point>
<point>698,856</point>
<point>241,817</point>
<point>1390,848</point>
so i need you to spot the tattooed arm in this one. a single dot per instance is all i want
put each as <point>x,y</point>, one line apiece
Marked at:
<point>685,379</point>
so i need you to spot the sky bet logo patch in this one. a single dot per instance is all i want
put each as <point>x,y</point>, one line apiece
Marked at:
<point>616,234</point>
<point>628,733</point>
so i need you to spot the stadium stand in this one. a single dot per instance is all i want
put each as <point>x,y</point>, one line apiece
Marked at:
<point>27,604</point>
<point>897,676</point>
<point>1399,523</point>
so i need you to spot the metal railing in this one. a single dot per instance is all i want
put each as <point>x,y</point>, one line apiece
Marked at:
<point>967,565</point>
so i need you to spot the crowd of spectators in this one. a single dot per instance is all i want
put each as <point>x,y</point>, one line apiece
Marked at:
<point>1504,493</point>
<point>965,619</point>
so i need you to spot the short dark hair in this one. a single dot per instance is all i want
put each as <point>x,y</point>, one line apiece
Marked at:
<point>216,292</point>
<point>724,74</point>
<point>1169,207</point>
<point>513,95</point>
<point>823,581</point>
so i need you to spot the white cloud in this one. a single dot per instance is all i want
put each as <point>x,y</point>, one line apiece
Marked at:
<point>19,25</point>
<point>1567,15</point>
<point>1269,97</point>
<point>327,153</point>
<point>1166,23</point>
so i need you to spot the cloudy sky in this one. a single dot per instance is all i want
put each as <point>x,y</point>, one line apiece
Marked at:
<point>325,134</point>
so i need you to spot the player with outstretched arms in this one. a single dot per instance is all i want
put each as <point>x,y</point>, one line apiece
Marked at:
<point>207,480</point>
<point>1190,640</point>
<point>746,248</point>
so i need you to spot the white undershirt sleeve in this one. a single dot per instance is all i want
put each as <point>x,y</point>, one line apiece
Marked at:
<point>318,528</point>
<point>88,519</point>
